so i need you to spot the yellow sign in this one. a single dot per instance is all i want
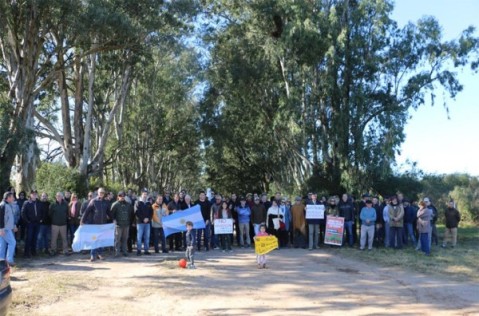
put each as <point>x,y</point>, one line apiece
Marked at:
<point>265,244</point>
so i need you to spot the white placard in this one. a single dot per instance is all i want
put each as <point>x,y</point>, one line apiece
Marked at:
<point>223,226</point>
<point>315,211</point>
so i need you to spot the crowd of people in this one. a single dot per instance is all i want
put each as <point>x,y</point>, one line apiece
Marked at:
<point>45,226</point>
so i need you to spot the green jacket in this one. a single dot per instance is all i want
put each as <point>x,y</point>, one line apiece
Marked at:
<point>396,212</point>
<point>59,213</point>
<point>122,213</point>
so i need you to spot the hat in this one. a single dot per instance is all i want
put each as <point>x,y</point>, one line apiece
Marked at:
<point>297,198</point>
<point>365,195</point>
<point>121,193</point>
<point>33,192</point>
<point>426,199</point>
<point>144,190</point>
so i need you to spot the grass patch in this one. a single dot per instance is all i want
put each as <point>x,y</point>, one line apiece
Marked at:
<point>459,263</point>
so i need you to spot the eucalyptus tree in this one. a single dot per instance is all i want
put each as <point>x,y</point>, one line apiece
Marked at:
<point>335,79</point>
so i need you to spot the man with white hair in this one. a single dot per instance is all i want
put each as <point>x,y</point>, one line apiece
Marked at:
<point>433,234</point>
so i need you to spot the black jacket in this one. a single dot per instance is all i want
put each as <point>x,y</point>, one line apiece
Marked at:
<point>97,212</point>
<point>143,210</point>
<point>32,212</point>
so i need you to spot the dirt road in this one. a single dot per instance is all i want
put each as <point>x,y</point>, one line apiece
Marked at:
<point>295,282</point>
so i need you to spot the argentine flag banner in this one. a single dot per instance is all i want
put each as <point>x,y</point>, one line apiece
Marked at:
<point>89,237</point>
<point>176,222</point>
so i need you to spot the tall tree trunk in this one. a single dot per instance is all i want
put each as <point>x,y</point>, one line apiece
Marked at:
<point>27,159</point>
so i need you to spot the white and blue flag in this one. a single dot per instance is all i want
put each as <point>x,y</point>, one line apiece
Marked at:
<point>176,222</point>
<point>89,237</point>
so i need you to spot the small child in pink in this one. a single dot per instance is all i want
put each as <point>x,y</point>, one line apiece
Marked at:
<point>261,259</point>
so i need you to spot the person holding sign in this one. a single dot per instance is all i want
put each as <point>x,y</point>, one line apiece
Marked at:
<point>314,213</point>
<point>261,259</point>
<point>225,239</point>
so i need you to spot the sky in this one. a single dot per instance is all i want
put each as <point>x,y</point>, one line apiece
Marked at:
<point>438,144</point>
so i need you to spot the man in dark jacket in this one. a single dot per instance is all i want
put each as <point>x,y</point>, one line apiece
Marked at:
<point>45,230</point>
<point>346,210</point>
<point>59,215</point>
<point>410,214</point>
<point>143,215</point>
<point>32,215</point>
<point>121,212</point>
<point>97,213</point>
<point>453,218</point>
<point>205,212</point>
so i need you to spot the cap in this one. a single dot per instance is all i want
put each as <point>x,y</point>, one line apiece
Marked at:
<point>144,190</point>
<point>121,193</point>
<point>426,200</point>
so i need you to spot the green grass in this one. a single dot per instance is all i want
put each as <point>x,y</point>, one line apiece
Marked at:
<point>460,262</point>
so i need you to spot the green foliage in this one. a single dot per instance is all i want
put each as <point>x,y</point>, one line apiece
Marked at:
<point>56,177</point>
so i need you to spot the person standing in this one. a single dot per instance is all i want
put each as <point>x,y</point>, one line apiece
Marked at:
<point>97,213</point>
<point>205,212</point>
<point>452,217</point>
<point>424,227</point>
<point>45,230</point>
<point>368,223</point>
<point>32,215</point>
<point>244,215</point>
<point>7,229</point>
<point>59,215</point>
<point>258,215</point>
<point>434,216</point>
<point>298,223</point>
<point>274,219</point>
<point>396,216</point>
<point>159,210</point>
<point>143,214</point>
<point>410,214</point>
<point>346,210</point>
<point>121,213</point>
<point>225,239</point>
<point>190,245</point>
<point>214,214</point>
<point>313,225</point>
<point>74,208</point>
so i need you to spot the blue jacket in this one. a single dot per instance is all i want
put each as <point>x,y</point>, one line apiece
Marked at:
<point>244,214</point>
<point>368,213</point>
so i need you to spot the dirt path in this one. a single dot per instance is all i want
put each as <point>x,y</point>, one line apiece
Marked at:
<point>296,282</point>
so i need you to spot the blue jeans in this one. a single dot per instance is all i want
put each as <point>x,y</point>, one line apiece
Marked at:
<point>31,241</point>
<point>425,246</point>
<point>72,229</point>
<point>44,236</point>
<point>348,228</point>
<point>387,233</point>
<point>410,233</point>
<point>7,245</point>
<point>143,234</point>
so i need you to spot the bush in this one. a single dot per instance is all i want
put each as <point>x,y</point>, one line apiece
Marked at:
<point>56,177</point>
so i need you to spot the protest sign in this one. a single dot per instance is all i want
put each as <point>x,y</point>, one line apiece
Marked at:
<point>265,244</point>
<point>223,226</point>
<point>334,231</point>
<point>315,211</point>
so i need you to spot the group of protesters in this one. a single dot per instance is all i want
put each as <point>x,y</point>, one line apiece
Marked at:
<point>39,224</point>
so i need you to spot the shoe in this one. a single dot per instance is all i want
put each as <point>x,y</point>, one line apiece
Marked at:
<point>361,248</point>
<point>100,257</point>
<point>138,253</point>
<point>165,251</point>
<point>125,254</point>
<point>310,249</point>
<point>66,253</point>
<point>157,251</point>
<point>216,248</point>
<point>12,264</point>
<point>259,266</point>
<point>147,253</point>
<point>264,265</point>
<point>92,259</point>
<point>193,267</point>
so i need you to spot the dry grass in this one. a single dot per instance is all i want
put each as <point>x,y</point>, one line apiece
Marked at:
<point>33,289</point>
